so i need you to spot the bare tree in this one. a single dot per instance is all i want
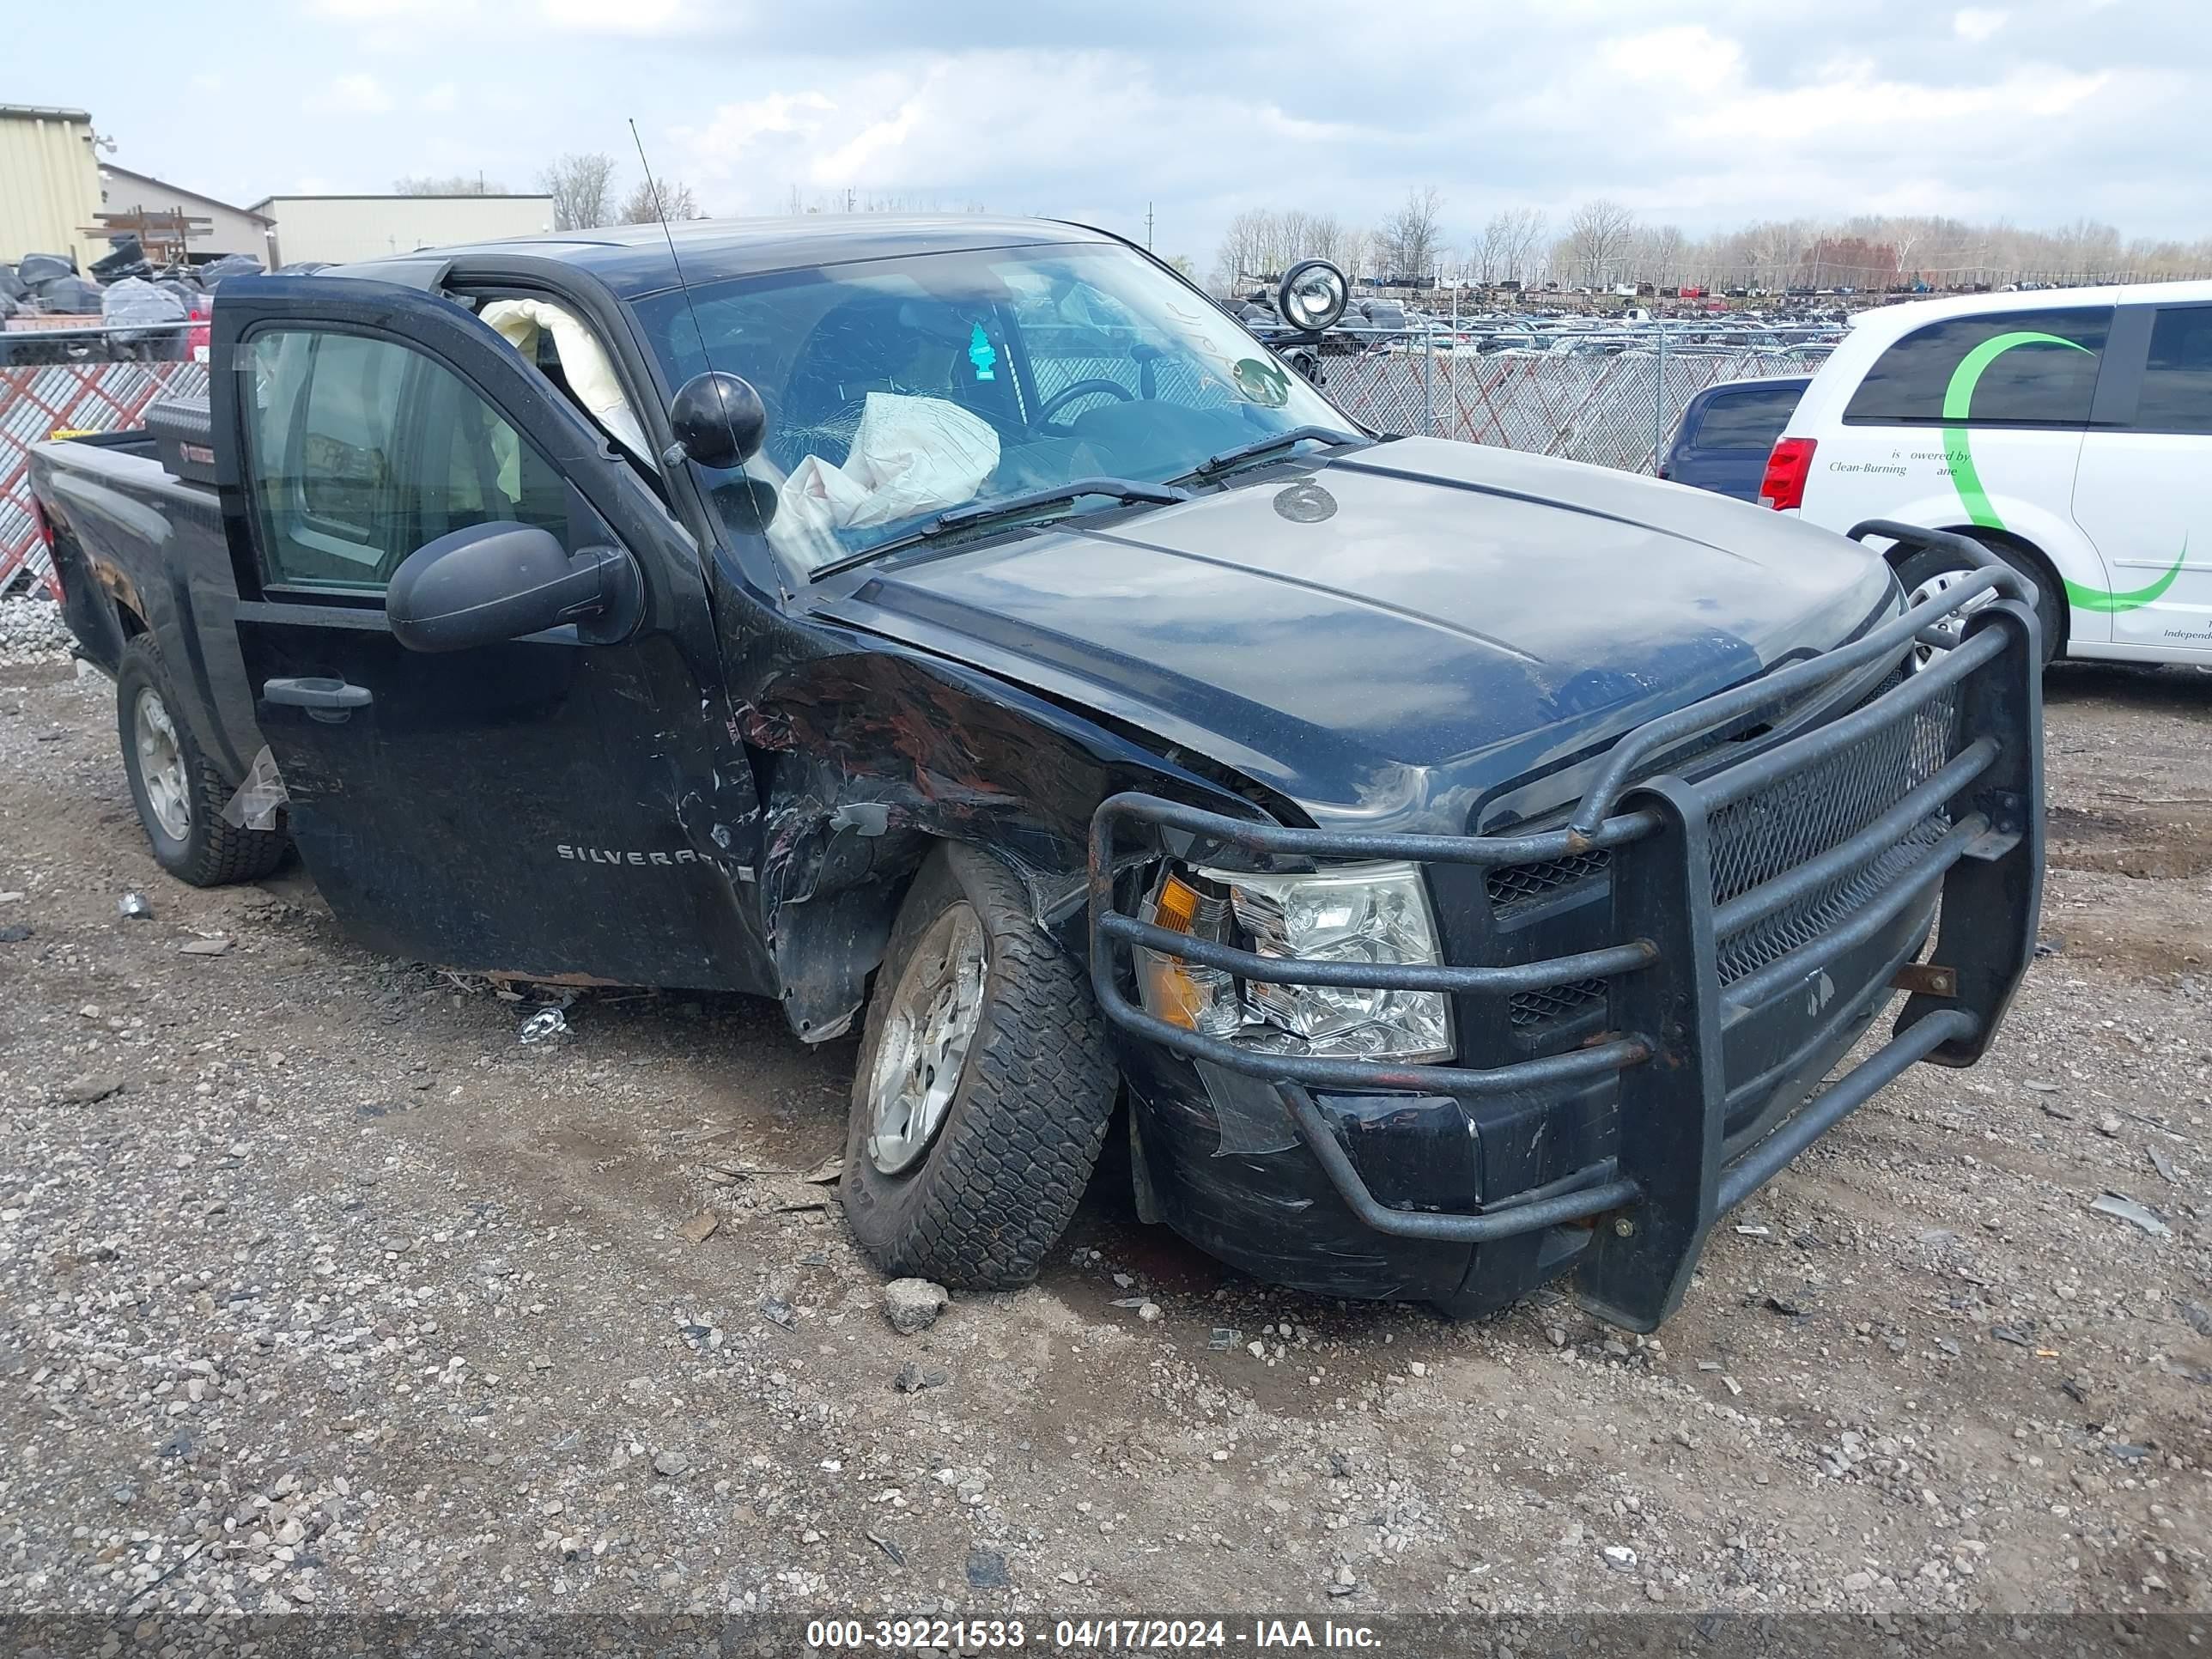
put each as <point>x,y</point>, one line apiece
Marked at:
<point>582,189</point>
<point>1525,243</point>
<point>676,202</point>
<point>456,184</point>
<point>1244,249</point>
<point>1776,248</point>
<point>1598,239</point>
<point>1871,252</point>
<point>1359,255</point>
<point>1411,239</point>
<point>1488,255</point>
<point>2087,249</point>
<point>1343,245</point>
<point>1505,252</point>
<point>1660,255</point>
<point>1260,244</point>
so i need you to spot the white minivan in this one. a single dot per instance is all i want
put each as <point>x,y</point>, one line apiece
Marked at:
<point>2069,430</point>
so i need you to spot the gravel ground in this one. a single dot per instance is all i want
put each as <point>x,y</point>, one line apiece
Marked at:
<point>319,1288</point>
<point>32,631</point>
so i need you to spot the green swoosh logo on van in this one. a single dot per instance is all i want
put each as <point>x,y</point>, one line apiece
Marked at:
<point>1958,402</point>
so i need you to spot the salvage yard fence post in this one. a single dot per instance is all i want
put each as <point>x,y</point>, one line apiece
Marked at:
<point>1429,386</point>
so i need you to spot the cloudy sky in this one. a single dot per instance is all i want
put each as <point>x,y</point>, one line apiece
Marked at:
<point>1705,114</point>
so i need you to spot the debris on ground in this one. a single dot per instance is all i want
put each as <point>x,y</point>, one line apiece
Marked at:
<point>913,1304</point>
<point>546,1023</point>
<point>2136,1215</point>
<point>90,1087</point>
<point>987,1569</point>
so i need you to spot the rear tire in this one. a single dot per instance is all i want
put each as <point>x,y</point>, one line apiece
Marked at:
<point>1924,568</point>
<point>179,795</point>
<point>974,1188</point>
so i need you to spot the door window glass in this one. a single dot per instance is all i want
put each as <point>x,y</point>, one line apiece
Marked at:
<point>2040,371</point>
<point>2177,387</point>
<point>361,450</point>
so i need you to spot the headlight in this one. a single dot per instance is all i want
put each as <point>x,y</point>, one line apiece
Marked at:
<point>1374,912</point>
<point>1312,295</point>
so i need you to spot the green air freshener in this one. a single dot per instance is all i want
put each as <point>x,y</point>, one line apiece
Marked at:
<point>980,353</point>
<point>1261,381</point>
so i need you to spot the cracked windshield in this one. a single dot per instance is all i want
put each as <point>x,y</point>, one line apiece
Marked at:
<point>897,390</point>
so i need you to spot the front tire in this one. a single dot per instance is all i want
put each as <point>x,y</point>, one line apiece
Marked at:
<point>984,1087</point>
<point>179,795</point>
<point>1927,571</point>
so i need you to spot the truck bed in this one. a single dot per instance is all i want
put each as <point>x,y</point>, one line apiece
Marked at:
<point>139,549</point>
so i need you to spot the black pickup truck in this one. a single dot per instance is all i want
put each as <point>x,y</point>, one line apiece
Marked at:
<point>1469,868</point>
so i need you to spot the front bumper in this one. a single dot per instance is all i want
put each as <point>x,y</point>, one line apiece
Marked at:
<point>1752,917</point>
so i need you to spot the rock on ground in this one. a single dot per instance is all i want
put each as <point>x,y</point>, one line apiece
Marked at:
<point>913,1304</point>
<point>32,631</point>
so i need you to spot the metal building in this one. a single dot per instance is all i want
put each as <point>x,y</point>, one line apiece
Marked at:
<point>338,229</point>
<point>49,183</point>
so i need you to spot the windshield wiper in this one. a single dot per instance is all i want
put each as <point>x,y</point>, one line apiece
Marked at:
<point>1008,507</point>
<point>1216,465</point>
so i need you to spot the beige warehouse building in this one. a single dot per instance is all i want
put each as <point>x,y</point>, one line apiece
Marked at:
<point>49,183</point>
<point>230,229</point>
<point>338,229</point>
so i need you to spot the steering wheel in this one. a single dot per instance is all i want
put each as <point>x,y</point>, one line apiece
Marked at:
<point>1068,394</point>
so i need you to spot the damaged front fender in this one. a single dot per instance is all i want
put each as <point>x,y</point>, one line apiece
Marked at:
<point>870,754</point>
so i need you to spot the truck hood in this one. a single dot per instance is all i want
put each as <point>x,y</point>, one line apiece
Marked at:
<point>1389,639</point>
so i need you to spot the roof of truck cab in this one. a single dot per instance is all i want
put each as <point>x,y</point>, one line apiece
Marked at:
<point>634,260</point>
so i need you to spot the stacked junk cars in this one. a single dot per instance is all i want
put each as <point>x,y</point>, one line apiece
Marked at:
<point>121,309</point>
<point>86,349</point>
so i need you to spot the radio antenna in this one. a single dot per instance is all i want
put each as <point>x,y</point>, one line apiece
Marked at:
<point>675,451</point>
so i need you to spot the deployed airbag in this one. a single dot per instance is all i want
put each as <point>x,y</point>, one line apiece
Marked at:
<point>584,363</point>
<point>909,456</point>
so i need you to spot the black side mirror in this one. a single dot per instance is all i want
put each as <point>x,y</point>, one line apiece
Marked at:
<point>718,420</point>
<point>499,581</point>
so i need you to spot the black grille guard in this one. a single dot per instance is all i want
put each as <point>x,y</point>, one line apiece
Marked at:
<point>1672,1175</point>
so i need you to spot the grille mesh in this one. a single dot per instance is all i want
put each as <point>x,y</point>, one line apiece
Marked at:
<point>1528,1008</point>
<point>1757,838</point>
<point>1509,884</point>
<point>1811,811</point>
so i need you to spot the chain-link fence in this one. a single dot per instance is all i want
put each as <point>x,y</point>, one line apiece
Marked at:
<point>35,402</point>
<point>1610,397</point>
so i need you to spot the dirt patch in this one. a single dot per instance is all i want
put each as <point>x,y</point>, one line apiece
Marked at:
<point>2144,840</point>
<point>342,1255</point>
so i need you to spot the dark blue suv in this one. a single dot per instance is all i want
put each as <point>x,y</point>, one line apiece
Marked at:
<point>1724,435</point>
